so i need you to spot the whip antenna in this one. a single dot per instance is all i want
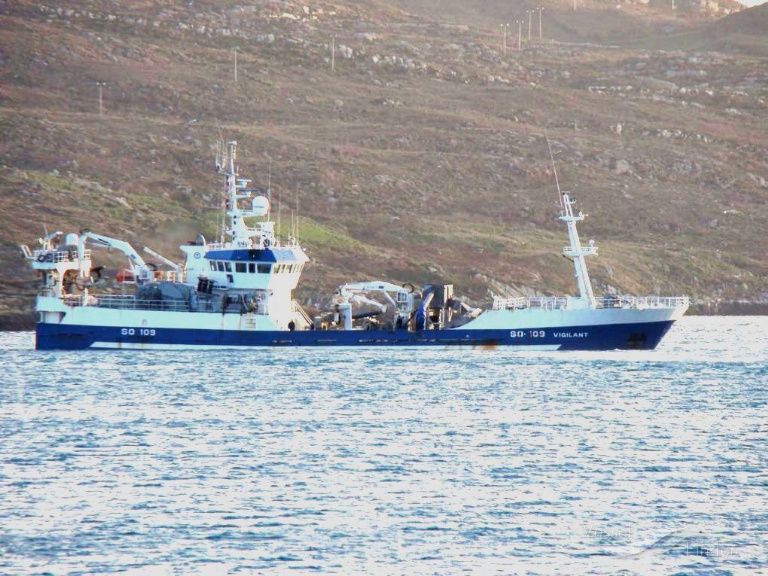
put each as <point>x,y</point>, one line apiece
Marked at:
<point>554,169</point>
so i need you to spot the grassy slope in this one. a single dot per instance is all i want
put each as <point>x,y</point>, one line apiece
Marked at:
<point>430,164</point>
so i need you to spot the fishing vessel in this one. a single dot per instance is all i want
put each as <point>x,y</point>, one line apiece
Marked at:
<point>238,293</point>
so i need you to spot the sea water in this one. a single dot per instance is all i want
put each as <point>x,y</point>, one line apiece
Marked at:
<point>388,461</point>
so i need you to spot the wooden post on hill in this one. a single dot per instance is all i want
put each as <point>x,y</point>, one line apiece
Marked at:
<point>504,28</point>
<point>101,106</point>
<point>333,52</point>
<point>540,9</point>
<point>530,14</point>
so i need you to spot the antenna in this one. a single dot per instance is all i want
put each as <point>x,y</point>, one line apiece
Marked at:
<point>279,206</point>
<point>220,143</point>
<point>554,169</point>
<point>222,226</point>
<point>269,186</point>
<point>297,214</point>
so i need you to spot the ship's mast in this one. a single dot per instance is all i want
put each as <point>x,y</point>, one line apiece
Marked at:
<point>237,189</point>
<point>576,252</point>
<point>228,170</point>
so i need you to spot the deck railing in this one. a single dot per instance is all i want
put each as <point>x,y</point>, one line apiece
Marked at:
<point>131,303</point>
<point>563,303</point>
<point>127,302</point>
<point>641,302</point>
<point>124,302</point>
<point>60,255</point>
<point>296,308</point>
<point>545,303</point>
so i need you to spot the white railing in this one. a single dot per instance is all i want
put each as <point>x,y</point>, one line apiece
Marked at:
<point>582,251</point>
<point>544,303</point>
<point>127,302</point>
<point>167,275</point>
<point>61,255</point>
<point>642,302</point>
<point>296,308</point>
<point>131,303</point>
<point>73,300</point>
<point>562,303</point>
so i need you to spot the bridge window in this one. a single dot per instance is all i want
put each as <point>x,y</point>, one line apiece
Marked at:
<point>213,265</point>
<point>240,267</point>
<point>264,268</point>
<point>251,267</point>
<point>228,266</point>
<point>220,265</point>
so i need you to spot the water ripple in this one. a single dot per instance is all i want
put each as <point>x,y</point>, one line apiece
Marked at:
<point>388,461</point>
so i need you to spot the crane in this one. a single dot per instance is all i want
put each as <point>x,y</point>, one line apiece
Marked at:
<point>139,267</point>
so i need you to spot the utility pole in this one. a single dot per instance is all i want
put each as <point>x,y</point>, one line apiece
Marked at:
<point>519,35</point>
<point>101,106</point>
<point>541,9</point>
<point>504,28</point>
<point>235,52</point>
<point>333,52</point>
<point>530,13</point>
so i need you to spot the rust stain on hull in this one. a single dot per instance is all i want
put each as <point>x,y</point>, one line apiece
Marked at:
<point>486,347</point>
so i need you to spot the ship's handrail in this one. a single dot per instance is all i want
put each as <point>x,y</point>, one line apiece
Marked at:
<point>60,255</point>
<point>584,250</point>
<point>131,303</point>
<point>642,302</point>
<point>128,302</point>
<point>167,275</point>
<point>522,302</point>
<point>562,303</point>
<point>296,308</point>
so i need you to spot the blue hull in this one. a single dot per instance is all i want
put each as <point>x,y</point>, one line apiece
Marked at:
<point>644,336</point>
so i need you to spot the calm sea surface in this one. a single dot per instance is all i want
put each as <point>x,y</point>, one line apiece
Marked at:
<point>388,461</point>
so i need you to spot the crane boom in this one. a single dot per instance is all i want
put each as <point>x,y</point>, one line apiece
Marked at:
<point>138,266</point>
<point>173,265</point>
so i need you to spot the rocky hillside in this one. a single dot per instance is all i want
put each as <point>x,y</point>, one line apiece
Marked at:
<point>411,139</point>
